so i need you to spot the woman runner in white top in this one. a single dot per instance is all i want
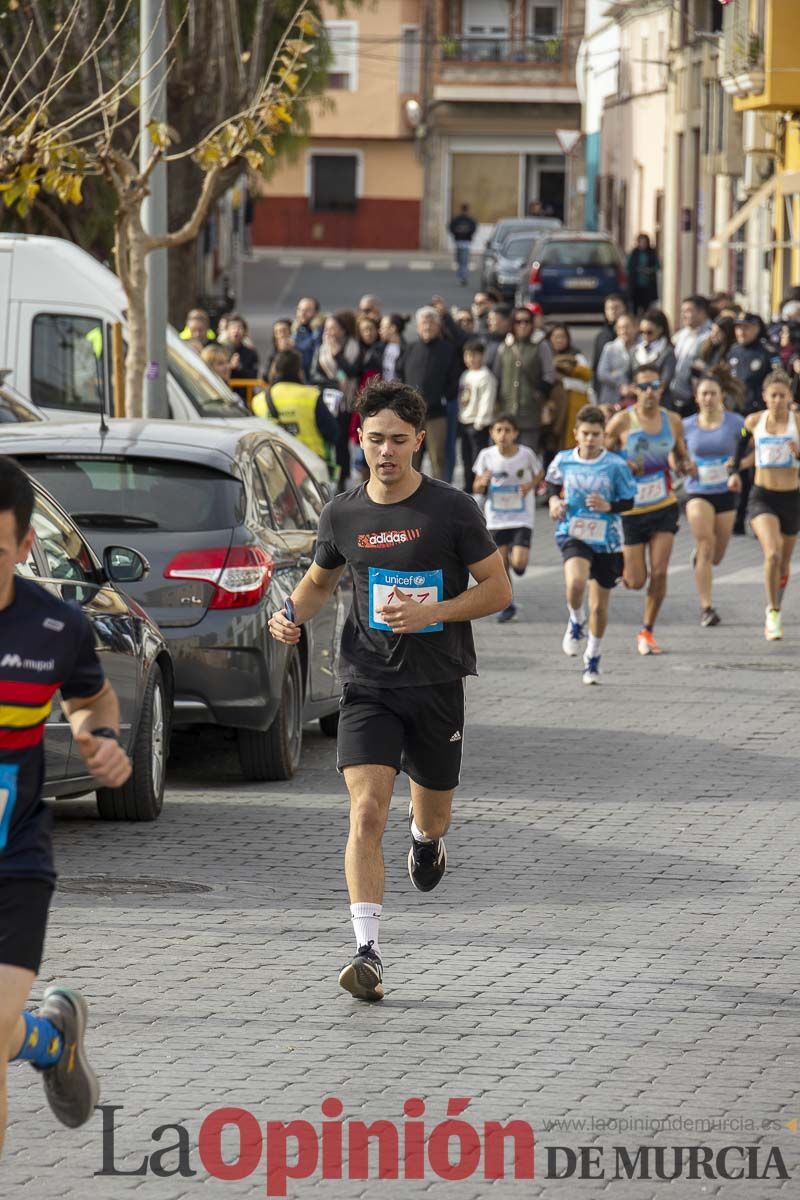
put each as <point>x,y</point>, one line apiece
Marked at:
<point>774,508</point>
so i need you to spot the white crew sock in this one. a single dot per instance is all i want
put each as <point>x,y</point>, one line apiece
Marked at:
<point>577,614</point>
<point>366,924</point>
<point>418,835</point>
<point>594,646</point>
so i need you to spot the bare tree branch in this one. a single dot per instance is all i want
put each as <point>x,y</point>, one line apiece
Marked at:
<point>192,227</point>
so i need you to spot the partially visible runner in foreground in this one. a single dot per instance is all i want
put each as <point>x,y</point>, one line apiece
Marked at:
<point>587,487</point>
<point>45,646</point>
<point>410,543</point>
<point>774,508</point>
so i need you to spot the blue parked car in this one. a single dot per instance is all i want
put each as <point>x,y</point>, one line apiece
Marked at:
<point>569,272</point>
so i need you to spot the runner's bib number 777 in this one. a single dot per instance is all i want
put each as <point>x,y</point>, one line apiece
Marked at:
<point>424,587</point>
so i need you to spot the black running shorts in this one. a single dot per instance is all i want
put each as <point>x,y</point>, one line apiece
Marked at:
<point>721,502</point>
<point>606,567</point>
<point>23,920</point>
<point>419,730</point>
<point>521,536</point>
<point>783,505</point>
<point>639,528</point>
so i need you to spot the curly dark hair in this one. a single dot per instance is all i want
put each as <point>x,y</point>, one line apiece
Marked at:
<point>400,398</point>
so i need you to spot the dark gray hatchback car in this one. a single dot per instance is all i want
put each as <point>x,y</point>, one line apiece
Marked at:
<point>227,519</point>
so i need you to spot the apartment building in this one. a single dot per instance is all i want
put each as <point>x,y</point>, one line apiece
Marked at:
<point>432,103</point>
<point>502,84</point>
<point>357,182</point>
<point>758,247</point>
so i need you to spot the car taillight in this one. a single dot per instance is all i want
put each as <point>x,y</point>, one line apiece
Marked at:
<point>240,576</point>
<point>536,274</point>
<point>622,279</point>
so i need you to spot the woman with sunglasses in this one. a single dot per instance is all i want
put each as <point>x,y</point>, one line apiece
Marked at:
<point>712,436</point>
<point>653,347</point>
<point>651,439</point>
<point>523,387</point>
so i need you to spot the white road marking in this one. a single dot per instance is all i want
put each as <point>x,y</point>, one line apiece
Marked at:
<point>418,265</point>
<point>290,262</point>
<point>333,264</point>
<point>377,264</point>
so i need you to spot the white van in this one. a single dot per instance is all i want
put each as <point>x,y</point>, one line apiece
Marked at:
<point>58,306</point>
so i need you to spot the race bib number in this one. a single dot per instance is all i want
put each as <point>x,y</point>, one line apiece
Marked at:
<point>775,452</point>
<point>424,587</point>
<point>712,473</point>
<point>506,498</point>
<point>650,489</point>
<point>590,529</point>
<point>8,798</point>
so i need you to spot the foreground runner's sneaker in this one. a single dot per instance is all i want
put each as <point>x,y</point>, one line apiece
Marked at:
<point>709,616</point>
<point>508,614</point>
<point>362,977</point>
<point>572,638</point>
<point>784,582</point>
<point>427,863</point>
<point>591,670</point>
<point>773,629</point>
<point>646,643</point>
<point>70,1084</point>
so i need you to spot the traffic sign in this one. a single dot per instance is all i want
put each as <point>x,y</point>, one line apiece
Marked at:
<point>568,139</point>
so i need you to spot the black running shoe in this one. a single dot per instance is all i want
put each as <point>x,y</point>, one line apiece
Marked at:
<point>709,617</point>
<point>362,977</point>
<point>70,1084</point>
<point>427,863</point>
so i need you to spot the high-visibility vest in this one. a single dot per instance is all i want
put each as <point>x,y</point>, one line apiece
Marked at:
<point>294,407</point>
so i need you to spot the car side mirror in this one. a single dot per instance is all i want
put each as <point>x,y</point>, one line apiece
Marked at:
<point>124,565</point>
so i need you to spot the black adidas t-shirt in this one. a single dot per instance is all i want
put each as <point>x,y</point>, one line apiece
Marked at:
<point>422,545</point>
<point>46,645</point>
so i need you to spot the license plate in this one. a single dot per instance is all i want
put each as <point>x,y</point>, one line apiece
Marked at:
<point>582,283</point>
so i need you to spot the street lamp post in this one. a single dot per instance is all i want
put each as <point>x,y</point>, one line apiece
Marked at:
<point>153,107</point>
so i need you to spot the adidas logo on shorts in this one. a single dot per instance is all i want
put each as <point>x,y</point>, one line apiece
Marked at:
<point>456,737</point>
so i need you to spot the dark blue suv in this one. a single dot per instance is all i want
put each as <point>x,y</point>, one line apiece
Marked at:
<point>569,272</point>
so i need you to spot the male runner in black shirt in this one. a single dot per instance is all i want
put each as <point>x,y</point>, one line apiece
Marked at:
<point>411,544</point>
<point>46,646</point>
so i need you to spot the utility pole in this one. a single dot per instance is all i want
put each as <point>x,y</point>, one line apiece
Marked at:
<point>153,107</point>
<point>425,64</point>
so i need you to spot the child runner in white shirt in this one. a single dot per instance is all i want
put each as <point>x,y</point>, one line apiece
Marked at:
<point>508,474</point>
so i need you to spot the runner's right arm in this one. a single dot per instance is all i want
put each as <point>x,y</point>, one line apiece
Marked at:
<point>309,597</point>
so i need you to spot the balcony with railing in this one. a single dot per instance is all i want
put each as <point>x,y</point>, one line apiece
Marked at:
<point>476,59</point>
<point>760,63</point>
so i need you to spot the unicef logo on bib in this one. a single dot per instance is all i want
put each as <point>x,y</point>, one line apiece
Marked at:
<point>424,587</point>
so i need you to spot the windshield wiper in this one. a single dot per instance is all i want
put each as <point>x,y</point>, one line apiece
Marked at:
<point>114,520</point>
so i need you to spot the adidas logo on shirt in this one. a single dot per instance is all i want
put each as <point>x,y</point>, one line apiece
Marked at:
<point>456,737</point>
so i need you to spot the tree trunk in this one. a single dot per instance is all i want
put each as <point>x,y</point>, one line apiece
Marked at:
<point>184,180</point>
<point>132,268</point>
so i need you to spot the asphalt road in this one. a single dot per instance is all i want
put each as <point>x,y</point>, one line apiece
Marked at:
<point>273,284</point>
<point>615,944</point>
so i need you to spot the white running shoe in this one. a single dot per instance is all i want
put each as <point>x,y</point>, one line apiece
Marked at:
<point>571,642</point>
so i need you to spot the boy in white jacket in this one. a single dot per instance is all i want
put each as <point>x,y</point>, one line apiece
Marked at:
<point>477,396</point>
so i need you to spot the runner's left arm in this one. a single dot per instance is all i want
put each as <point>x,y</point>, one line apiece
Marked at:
<point>89,703</point>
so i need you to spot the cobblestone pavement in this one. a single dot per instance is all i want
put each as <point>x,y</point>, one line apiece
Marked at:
<point>616,938</point>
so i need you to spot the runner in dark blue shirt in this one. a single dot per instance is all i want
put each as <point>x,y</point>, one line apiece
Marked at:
<point>46,646</point>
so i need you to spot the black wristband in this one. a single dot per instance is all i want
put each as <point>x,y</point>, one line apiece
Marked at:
<point>105,731</point>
